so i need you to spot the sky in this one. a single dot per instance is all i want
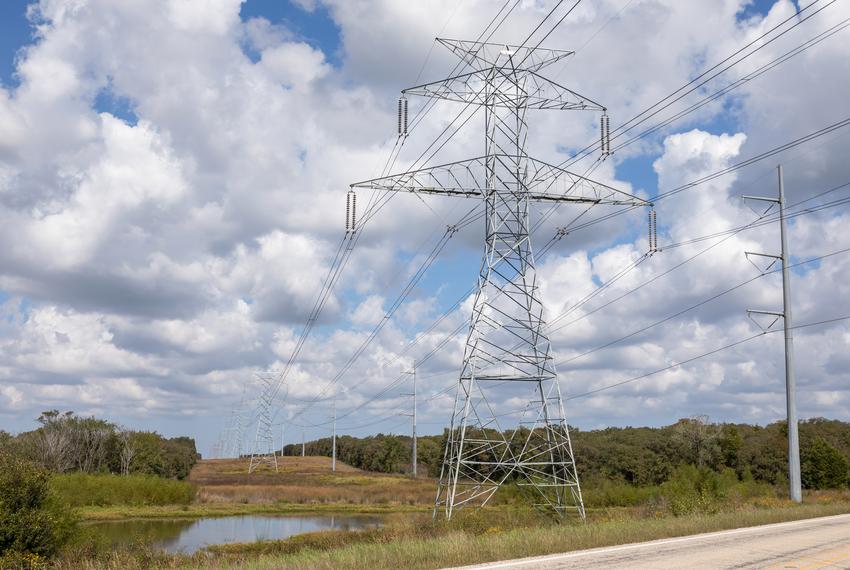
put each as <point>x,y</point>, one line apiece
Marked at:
<point>173,177</point>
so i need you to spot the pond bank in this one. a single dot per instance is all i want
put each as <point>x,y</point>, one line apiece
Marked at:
<point>205,510</point>
<point>187,536</point>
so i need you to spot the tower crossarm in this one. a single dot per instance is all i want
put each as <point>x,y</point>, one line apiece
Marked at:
<point>540,181</point>
<point>483,55</point>
<point>517,88</point>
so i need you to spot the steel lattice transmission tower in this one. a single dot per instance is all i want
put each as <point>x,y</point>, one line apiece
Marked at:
<point>507,357</point>
<point>264,448</point>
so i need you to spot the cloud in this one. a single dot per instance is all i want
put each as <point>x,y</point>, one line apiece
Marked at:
<point>158,257</point>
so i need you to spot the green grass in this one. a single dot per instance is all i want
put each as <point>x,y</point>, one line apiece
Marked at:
<point>459,547</point>
<point>498,534</point>
<point>82,490</point>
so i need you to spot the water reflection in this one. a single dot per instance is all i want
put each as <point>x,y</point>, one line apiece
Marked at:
<point>188,536</point>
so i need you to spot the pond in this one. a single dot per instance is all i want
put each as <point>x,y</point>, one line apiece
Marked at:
<point>191,535</point>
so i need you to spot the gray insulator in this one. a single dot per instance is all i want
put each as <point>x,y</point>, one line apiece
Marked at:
<point>405,116</point>
<point>347,211</point>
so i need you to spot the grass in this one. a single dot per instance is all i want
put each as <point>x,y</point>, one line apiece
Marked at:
<point>417,543</point>
<point>82,490</point>
<point>458,548</point>
<point>307,480</point>
<point>618,513</point>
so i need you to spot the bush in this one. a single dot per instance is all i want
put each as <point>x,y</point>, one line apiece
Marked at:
<point>607,493</point>
<point>80,490</point>
<point>33,526</point>
<point>697,489</point>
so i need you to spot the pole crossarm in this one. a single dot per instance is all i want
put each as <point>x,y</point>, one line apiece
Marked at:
<point>530,89</point>
<point>483,55</point>
<point>540,181</point>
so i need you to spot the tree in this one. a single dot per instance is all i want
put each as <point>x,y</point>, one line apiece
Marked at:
<point>54,441</point>
<point>127,450</point>
<point>89,441</point>
<point>823,466</point>
<point>699,438</point>
<point>730,443</point>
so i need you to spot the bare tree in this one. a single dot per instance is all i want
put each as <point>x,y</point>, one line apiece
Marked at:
<point>128,450</point>
<point>90,437</point>
<point>700,438</point>
<point>54,442</point>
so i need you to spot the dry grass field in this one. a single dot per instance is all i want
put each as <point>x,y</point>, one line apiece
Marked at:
<point>306,480</point>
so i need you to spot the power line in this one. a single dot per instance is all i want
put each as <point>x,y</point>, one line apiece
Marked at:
<point>698,357</point>
<point>550,32</point>
<point>756,223</point>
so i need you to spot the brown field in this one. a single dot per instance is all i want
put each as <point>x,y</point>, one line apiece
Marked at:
<point>306,480</point>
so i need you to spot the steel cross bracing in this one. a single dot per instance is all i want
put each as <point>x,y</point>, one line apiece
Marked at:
<point>264,449</point>
<point>507,356</point>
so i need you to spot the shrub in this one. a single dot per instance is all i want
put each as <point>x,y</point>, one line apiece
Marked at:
<point>697,489</point>
<point>33,526</point>
<point>80,489</point>
<point>607,493</point>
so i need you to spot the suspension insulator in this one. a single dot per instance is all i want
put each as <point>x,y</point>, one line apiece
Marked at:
<point>402,116</point>
<point>353,211</point>
<point>602,134</point>
<point>653,231</point>
<point>348,211</point>
<point>649,230</point>
<point>405,115</point>
<point>605,135</point>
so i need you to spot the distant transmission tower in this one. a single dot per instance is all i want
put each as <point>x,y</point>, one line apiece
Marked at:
<point>234,430</point>
<point>264,448</point>
<point>507,354</point>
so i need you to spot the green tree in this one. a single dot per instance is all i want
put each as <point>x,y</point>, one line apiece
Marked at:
<point>823,466</point>
<point>730,443</point>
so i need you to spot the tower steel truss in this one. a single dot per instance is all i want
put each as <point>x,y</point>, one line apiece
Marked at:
<point>264,448</point>
<point>507,360</point>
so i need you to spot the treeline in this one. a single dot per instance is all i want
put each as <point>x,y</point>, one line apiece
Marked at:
<point>642,456</point>
<point>66,443</point>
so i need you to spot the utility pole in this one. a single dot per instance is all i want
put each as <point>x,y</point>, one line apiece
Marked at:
<point>794,482</point>
<point>302,443</point>
<point>507,354</point>
<point>413,372</point>
<point>333,457</point>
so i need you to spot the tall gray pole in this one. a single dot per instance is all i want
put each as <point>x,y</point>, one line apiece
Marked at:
<point>333,458</point>
<point>414,419</point>
<point>302,443</point>
<point>794,483</point>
